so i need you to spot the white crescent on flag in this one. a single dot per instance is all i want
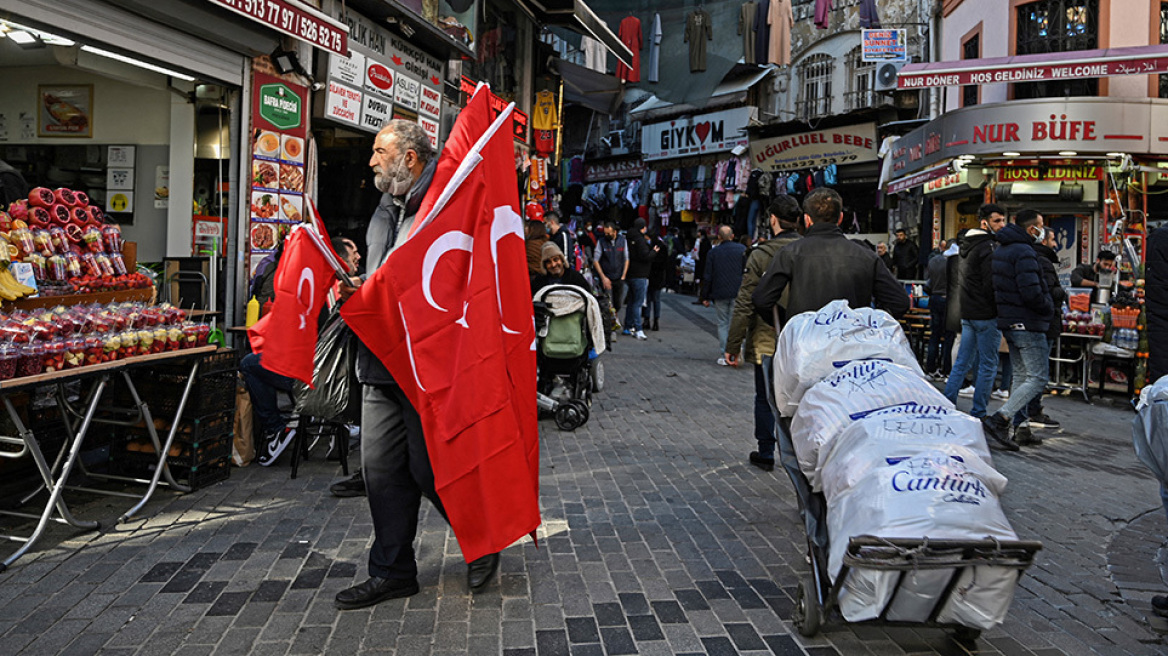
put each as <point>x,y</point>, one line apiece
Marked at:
<point>507,222</point>
<point>451,241</point>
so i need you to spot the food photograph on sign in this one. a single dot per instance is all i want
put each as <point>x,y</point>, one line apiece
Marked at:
<point>292,149</point>
<point>264,205</point>
<point>267,144</point>
<point>264,236</point>
<point>291,208</point>
<point>291,178</point>
<point>265,174</point>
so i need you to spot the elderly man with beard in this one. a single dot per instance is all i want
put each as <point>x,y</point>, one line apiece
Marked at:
<point>393,450</point>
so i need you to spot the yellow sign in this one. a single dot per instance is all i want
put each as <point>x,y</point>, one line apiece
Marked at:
<point>120,202</point>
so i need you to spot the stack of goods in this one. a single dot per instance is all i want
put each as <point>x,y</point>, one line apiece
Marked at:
<point>65,240</point>
<point>59,338</point>
<point>894,459</point>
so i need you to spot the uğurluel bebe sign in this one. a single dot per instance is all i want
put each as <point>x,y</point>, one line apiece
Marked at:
<point>805,150</point>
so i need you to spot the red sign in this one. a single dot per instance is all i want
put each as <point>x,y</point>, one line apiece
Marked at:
<point>910,181</point>
<point>1141,60</point>
<point>496,105</point>
<point>1029,173</point>
<point>380,77</point>
<point>294,20</point>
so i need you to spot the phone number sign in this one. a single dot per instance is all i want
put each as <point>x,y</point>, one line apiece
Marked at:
<point>295,20</point>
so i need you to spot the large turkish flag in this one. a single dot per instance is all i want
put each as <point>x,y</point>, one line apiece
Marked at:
<point>450,316</point>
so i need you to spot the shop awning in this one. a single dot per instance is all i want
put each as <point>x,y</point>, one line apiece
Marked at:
<point>584,86</point>
<point>729,91</point>
<point>579,17</point>
<point>1109,62</point>
<point>917,179</point>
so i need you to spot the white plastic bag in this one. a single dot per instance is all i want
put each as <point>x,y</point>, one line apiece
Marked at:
<point>981,598</point>
<point>812,345</point>
<point>849,393</point>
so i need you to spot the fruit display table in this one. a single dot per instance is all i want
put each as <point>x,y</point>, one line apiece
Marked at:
<point>79,418</point>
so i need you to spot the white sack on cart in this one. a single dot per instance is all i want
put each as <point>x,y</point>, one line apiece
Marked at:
<point>892,427</point>
<point>981,598</point>
<point>812,345</point>
<point>933,491</point>
<point>852,391</point>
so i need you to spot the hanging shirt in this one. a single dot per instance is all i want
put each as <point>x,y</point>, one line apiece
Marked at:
<point>595,56</point>
<point>545,142</point>
<point>543,115</point>
<point>697,31</point>
<point>822,13</point>
<point>762,32</point>
<point>655,48</point>
<point>780,22</point>
<point>630,35</point>
<point>869,17</point>
<point>746,29</point>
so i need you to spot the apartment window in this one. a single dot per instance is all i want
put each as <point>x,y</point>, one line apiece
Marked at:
<point>1057,26</point>
<point>971,49</point>
<point>1164,40</point>
<point>861,81</point>
<point>815,86</point>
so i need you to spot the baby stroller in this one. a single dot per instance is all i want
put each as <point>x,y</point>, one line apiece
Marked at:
<point>570,338</point>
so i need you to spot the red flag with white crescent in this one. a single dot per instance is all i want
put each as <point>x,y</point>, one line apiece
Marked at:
<point>450,316</point>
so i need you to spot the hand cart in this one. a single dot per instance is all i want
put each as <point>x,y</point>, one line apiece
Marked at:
<point>817,598</point>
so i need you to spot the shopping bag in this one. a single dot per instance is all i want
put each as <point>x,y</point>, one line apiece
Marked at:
<point>1150,429</point>
<point>332,373</point>
<point>242,448</point>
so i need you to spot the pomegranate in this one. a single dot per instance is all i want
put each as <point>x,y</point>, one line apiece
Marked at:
<point>96,215</point>
<point>41,197</point>
<point>65,197</point>
<point>79,215</point>
<point>82,198</point>
<point>39,216</point>
<point>73,233</point>
<point>60,214</point>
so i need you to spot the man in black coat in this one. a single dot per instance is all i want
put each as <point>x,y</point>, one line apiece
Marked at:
<point>825,266</point>
<point>1032,416</point>
<point>906,257</point>
<point>1024,313</point>
<point>1156,303</point>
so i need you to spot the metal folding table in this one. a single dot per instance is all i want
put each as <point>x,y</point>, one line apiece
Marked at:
<point>78,420</point>
<point>1059,359</point>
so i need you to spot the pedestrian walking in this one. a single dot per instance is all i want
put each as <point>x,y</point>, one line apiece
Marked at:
<point>1033,415</point>
<point>721,280</point>
<point>885,256</point>
<point>905,257</point>
<point>637,277</point>
<point>658,279</point>
<point>939,357</point>
<point>611,261</point>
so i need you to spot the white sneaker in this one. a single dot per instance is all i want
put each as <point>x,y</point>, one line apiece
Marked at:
<point>966,392</point>
<point>1003,395</point>
<point>274,445</point>
<point>722,362</point>
<point>640,334</point>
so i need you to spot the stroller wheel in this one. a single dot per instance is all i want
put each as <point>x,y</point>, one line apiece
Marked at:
<point>597,369</point>
<point>805,615</point>
<point>571,415</point>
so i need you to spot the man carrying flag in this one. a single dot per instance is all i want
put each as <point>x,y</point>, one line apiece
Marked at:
<point>396,458</point>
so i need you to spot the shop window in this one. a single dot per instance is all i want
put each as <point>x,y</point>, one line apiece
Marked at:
<point>815,86</point>
<point>1057,26</point>
<point>971,49</point>
<point>1164,40</point>
<point>504,33</point>
<point>862,81</point>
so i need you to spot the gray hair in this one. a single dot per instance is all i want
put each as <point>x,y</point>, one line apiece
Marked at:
<point>410,136</point>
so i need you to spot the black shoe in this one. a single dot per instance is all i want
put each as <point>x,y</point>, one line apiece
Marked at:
<point>354,486</point>
<point>374,591</point>
<point>1043,420</point>
<point>998,427</point>
<point>273,445</point>
<point>765,464</point>
<point>480,571</point>
<point>656,326</point>
<point>1023,436</point>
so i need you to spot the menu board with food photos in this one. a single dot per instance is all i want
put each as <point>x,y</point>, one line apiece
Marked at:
<point>277,164</point>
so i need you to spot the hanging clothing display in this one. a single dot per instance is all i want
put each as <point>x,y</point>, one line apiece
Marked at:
<point>746,29</point>
<point>698,30</point>
<point>869,17</point>
<point>543,115</point>
<point>595,56</point>
<point>780,21</point>
<point>762,32</point>
<point>545,142</point>
<point>822,13</point>
<point>655,48</point>
<point>630,35</point>
<point>537,179</point>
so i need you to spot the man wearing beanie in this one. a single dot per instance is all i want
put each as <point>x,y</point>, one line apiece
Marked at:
<point>637,277</point>
<point>557,271</point>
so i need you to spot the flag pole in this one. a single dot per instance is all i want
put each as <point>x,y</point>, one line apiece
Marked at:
<point>325,250</point>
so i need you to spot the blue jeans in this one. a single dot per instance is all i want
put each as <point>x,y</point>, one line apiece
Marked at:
<point>263,386</point>
<point>1030,358</point>
<point>637,289</point>
<point>1034,407</point>
<point>724,308</point>
<point>940,338</point>
<point>979,346</point>
<point>764,419</point>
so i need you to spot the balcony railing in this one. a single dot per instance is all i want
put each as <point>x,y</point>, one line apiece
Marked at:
<point>813,108</point>
<point>854,100</point>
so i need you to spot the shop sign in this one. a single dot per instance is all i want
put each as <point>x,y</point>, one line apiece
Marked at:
<point>343,103</point>
<point>431,129</point>
<point>375,112</point>
<point>854,143</point>
<point>1066,237</point>
<point>606,171</point>
<point>396,52</point>
<point>296,20</point>
<point>706,133</point>
<point>406,91</point>
<point>936,226</point>
<point>883,45</point>
<point>349,70</point>
<point>1041,126</point>
<point>910,181</point>
<point>430,103</point>
<point>1139,60</point>
<point>378,79</point>
<point>496,105</point>
<point>1063,172</point>
<point>280,106</point>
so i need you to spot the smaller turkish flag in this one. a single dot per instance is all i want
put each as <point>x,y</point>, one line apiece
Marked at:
<point>286,336</point>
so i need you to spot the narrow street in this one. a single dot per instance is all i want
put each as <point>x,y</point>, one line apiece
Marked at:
<point>658,538</point>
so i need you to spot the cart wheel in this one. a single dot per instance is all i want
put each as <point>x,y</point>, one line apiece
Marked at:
<point>806,613</point>
<point>597,368</point>
<point>571,415</point>
<point>966,635</point>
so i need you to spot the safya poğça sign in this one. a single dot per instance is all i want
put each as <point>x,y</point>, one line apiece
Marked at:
<point>804,150</point>
<point>707,133</point>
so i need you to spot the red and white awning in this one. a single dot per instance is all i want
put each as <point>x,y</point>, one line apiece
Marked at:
<point>1139,60</point>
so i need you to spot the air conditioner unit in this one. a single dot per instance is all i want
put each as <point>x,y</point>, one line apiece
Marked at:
<point>886,74</point>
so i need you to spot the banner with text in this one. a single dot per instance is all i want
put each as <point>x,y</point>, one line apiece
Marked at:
<point>706,133</point>
<point>846,145</point>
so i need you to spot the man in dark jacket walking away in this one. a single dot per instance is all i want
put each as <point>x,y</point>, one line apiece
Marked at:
<point>905,257</point>
<point>721,280</point>
<point>1156,303</point>
<point>940,338</point>
<point>658,278</point>
<point>974,289</point>
<point>1033,416</point>
<point>1024,312</point>
<point>746,327</point>
<point>825,266</point>
<point>637,277</point>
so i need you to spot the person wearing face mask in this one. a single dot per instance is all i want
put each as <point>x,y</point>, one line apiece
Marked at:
<point>1024,315</point>
<point>394,459</point>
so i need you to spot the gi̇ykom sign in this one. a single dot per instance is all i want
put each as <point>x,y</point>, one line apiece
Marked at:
<point>883,45</point>
<point>707,133</point>
<point>295,20</point>
<point>854,143</point>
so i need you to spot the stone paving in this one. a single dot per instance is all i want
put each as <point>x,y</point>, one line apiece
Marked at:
<point>657,539</point>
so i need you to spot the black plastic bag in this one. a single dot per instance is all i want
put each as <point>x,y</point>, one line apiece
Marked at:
<point>332,373</point>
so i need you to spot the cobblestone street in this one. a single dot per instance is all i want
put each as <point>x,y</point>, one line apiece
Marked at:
<point>658,538</point>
